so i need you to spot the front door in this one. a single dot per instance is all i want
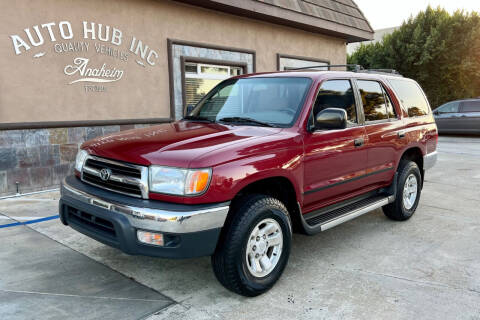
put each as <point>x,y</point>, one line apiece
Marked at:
<point>447,117</point>
<point>335,160</point>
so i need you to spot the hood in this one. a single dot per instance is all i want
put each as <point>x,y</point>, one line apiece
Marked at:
<point>174,144</point>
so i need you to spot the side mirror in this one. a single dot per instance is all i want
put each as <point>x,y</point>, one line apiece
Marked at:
<point>190,108</point>
<point>331,118</point>
<point>436,112</point>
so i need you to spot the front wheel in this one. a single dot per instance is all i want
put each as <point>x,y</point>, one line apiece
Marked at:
<point>255,245</point>
<point>409,187</point>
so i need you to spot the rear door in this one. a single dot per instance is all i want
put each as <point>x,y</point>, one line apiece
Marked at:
<point>383,129</point>
<point>448,116</point>
<point>334,160</point>
<point>470,115</point>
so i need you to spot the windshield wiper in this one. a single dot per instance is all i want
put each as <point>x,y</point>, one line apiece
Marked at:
<point>195,118</point>
<point>245,120</point>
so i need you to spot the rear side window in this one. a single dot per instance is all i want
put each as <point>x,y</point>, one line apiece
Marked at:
<point>470,106</point>
<point>336,94</point>
<point>390,110</point>
<point>412,98</point>
<point>373,100</point>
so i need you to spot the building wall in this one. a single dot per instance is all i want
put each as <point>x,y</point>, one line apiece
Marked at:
<point>40,90</point>
<point>38,159</point>
<point>40,87</point>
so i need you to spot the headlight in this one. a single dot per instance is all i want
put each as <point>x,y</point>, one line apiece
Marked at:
<point>80,160</point>
<point>179,181</point>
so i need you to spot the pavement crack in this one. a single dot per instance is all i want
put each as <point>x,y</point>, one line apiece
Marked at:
<point>434,284</point>
<point>94,260</point>
<point>444,209</point>
<point>81,296</point>
<point>103,264</point>
<point>455,186</point>
<point>462,153</point>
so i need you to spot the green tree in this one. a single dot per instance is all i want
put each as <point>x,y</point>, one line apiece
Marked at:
<point>439,50</point>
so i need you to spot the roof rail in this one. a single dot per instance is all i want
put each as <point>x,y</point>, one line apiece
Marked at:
<point>355,67</point>
<point>390,72</point>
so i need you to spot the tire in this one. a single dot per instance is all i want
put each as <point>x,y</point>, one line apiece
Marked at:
<point>401,209</point>
<point>252,216</point>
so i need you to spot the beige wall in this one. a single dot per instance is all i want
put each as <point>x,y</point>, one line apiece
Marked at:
<point>35,89</point>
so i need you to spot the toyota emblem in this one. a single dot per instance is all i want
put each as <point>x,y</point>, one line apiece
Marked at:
<point>105,174</point>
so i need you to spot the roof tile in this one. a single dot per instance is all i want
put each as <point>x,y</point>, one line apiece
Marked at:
<point>345,12</point>
<point>341,18</point>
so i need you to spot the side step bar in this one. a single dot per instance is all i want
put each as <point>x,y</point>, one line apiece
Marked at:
<point>330,219</point>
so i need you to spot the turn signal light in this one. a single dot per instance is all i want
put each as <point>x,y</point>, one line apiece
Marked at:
<point>197,181</point>
<point>150,237</point>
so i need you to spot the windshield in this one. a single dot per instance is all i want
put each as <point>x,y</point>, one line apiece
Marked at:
<point>254,101</point>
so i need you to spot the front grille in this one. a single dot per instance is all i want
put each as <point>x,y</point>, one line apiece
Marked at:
<point>116,169</point>
<point>113,185</point>
<point>89,221</point>
<point>124,178</point>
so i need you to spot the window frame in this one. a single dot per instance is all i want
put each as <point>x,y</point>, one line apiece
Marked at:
<point>397,116</point>
<point>211,76</point>
<point>311,119</point>
<point>364,121</point>
<point>204,61</point>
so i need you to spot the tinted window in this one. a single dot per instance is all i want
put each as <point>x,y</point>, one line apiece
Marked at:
<point>451,107</point>
<point>471,106</point>
<point>336,94</point>
<point>390,109</point>
<point>411,97</point>
<point>373,100</point>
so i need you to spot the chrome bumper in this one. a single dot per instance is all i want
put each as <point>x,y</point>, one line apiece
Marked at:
<point>155,219</point>
<point>429,160</point>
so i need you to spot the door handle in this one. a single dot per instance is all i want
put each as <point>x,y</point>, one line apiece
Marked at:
<point>401,134</point>
<point>358,142</point>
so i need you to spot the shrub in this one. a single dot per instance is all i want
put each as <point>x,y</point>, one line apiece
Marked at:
<point>439,50</point>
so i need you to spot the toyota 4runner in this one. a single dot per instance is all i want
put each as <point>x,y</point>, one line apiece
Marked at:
<point>259,156</point>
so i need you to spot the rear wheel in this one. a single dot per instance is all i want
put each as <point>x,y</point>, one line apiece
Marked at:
<point>409,187</point>
<point>255,245</point>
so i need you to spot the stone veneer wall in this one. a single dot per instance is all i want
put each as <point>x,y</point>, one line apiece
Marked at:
<point>38,159</point>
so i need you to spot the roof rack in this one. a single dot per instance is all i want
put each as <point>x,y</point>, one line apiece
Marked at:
<point>382,71</point>
<point>355,67</point>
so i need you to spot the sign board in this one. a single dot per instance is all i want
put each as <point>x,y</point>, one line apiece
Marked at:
<point>58,38</point>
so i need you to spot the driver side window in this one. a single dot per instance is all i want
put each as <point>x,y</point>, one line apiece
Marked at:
<point>451,107</point>
<point>336,94</point>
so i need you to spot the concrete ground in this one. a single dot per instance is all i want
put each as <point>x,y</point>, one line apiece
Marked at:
<point>368,268</point>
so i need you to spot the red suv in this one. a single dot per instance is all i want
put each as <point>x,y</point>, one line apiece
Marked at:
<point>259,156</point>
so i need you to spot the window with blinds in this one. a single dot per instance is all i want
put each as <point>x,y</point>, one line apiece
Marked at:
<point>200,78</point>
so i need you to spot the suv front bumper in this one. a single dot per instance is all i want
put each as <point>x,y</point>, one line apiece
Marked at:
<point>113,219</point>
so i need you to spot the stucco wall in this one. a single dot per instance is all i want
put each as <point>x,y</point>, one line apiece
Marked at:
<point>37,88</point>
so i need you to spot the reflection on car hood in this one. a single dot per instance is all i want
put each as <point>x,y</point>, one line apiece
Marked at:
<point>173,144</point>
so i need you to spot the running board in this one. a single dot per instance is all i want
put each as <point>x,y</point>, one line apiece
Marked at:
<point>330,219</point>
